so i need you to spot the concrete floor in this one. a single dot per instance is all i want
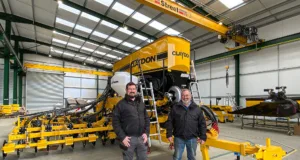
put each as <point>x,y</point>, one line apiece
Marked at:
<point>229,131</point>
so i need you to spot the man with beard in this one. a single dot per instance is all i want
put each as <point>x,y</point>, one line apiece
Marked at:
<point>186,122</point>
<point>131,124</point>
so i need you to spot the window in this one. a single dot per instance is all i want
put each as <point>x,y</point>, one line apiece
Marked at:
<point>140,37</point>
<point>113,39</point>
<point>125,31</point>
<point>108,24</point>
<point>231,3</point>
<point>157,25</point>
<point>99,34</point>
<point>84,29</point>
<point>59,41</point>
<point>68,8</point>
<point>64,22</point>
<point>140,17</point>
<point>128,44</point>
<point>171,31</point>
<point>90,17</point>
<point>74,45</point>
<point>122,9</point>
<point>105,2</point>
<point>101,53</point>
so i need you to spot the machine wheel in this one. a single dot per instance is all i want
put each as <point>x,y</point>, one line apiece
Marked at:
<point>4,154</point>
<point>112,141</point>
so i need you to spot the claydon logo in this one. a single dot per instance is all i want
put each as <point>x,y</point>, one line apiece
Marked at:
<point>170,7</point>
<point>144,60</point>
<point>182,54</point>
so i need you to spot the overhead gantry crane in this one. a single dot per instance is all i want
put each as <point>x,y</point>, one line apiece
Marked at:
<point>240,34</point>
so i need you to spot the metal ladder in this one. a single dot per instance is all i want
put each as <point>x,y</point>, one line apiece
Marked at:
<point>195,89</point>
<point>151,100</point>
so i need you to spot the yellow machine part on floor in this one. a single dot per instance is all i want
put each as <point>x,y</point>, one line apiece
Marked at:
<point>222,113</point>
<point>9,109</point>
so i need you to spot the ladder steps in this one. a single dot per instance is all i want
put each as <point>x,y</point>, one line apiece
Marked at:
<point>153,122</point>
<point>154,134</point>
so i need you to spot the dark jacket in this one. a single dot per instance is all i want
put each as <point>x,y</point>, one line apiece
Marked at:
<point>186,123</point>
<point>130,118</point>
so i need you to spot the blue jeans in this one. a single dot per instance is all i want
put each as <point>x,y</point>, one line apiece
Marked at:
<point>191,147</point>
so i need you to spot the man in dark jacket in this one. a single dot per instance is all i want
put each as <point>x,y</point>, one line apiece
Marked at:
<point>131,124</point>
<point>186,122</point>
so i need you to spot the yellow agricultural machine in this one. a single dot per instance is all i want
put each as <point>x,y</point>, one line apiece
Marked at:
<point>166,65</point>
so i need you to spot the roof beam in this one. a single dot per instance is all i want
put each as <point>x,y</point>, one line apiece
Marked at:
<point>26,51</point>
<point>98,15</point>
<point>24,39</point>
<point>18,19</point>
<point>198,9</point>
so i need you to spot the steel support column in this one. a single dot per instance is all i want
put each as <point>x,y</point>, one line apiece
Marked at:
<point>15,82</point>
<point>21,81</point>
<point>237,79</point>
<point>6,65</point>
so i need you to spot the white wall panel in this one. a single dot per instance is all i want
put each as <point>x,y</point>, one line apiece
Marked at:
<point>205,101</point>
<point>102,84</point>
<point>290,79</point>
<point>88,83</point>
<point>70,74</point>
<point>204,87</point>
<point>218,68</point>
<point>71,93</point>
<point>71,82</point>
<point>203,71</point>
<point>42,59</point>
<point>218,87</point>
<point>262,60</point>
<point>102,77</point>
<point>289,55</point>
<point>254,84</point>
<point>88,93</point>
<point>210,50</point>
<point>88,76</point>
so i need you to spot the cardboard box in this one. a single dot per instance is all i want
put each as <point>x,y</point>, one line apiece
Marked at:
<point>296,130</point>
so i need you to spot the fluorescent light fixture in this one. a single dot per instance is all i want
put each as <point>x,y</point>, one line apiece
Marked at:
<point>171,31</point>
<point>82,28</point>
<point>101,53</point>
<point>101,62</point>
<point>68,8</point>
<point>113,39</point>
<point>126,54</point>
<point>60,34</point>
<point>87,49</point>
<point>104,47</point>
<point>64,22</point>
<point>128,44</point>
<point>140,37</point>
<point>231,3</point>
<point>109,64</point>
<point>68,54</point>
<point>137,47</point>
<point>74,45</point>
<point>108,24</point>
<point>59,41</point>
<point>77,39</point>
<point>122,9</point>
<point>157,25</point>
<point>220,23</point>
<point>125,31</point>
<point>105,2</point>
<point>111,56</point>
<point>118,51</point>
<point>99,34</point>
<point>90,17</point>
<point>140,17</point>
<point>59,2</point>
<point>50,56</point>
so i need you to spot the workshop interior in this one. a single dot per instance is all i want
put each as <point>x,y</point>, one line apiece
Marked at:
<point>65,64</point>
